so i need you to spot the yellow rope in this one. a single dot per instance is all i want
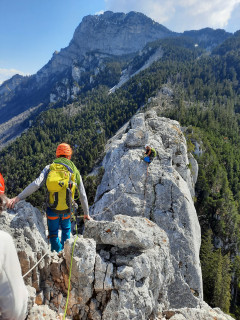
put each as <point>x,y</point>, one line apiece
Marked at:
<point>69,280</point>
<point>70,272</point>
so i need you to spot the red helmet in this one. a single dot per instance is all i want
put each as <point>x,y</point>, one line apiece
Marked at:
<point>64,149</point>
<point>2,185</point>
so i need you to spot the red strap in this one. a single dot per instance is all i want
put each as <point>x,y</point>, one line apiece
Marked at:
<point>2,185</point>
<point>52,218</point>
<point>55,218</point>
<point>64,218</point>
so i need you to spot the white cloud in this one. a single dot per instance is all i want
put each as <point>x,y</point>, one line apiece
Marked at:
<point>99,12</point>
<point>180,15</point>
<point>6,74</point>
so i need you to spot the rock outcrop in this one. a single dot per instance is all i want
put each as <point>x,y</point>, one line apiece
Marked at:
<point>161,192</point>
<point>205,313</point>
<point>121,269</point>
<point>28,231</point>
<point>127,275</point>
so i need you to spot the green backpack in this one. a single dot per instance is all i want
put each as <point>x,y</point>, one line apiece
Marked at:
<point>153,153</point>
<point>61,188</point>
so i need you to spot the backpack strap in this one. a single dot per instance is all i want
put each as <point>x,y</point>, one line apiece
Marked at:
<point>65,165</point>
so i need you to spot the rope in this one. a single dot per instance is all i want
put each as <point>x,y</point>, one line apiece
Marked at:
<point>36,264</point>
<point>70,273</point>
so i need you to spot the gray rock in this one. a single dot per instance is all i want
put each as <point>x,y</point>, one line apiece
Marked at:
<point>82,267</point>
<point>118,235</point>
<point>138,274</point>
<point>43,313</point>
<point>202,313</point>
<point>193,168</point>
<point>161,192</point>
<point>26,225</point>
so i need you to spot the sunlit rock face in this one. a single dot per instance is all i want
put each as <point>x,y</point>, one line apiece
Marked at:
<point>162,192</point>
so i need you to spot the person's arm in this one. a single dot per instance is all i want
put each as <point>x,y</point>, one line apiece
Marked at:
<point>13,292</point>
<point>149,150</point>
<point>83,200</point>
<point>31,188</point>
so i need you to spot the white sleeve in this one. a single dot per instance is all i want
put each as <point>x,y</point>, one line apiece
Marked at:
<point>35,185</point>
<point>13,292</point>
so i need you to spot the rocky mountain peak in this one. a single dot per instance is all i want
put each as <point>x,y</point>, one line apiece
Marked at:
<point>117,33</point>
<point>11,84</point>
<point>109,33</point>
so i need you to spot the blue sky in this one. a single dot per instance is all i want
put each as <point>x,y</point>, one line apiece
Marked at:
<point>31,30</point>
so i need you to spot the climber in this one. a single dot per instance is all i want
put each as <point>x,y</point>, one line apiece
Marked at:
<point>149,154</point>
<point>13,292</point>
<point>61,177</point>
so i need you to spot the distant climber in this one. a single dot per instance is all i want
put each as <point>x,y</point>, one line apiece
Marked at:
<point>149,154</point>
<point>61,178</point>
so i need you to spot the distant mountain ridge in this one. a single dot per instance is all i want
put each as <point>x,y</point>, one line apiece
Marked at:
<point>98,40</point>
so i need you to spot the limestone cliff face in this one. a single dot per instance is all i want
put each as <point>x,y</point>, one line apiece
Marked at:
<point>161,192</point>
<point>117,33</point>
<point>109,33</point>
<point>11,84</point>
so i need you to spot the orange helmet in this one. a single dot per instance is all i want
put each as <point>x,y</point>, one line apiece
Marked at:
<point>2,185</point>
<point>64,149</point>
